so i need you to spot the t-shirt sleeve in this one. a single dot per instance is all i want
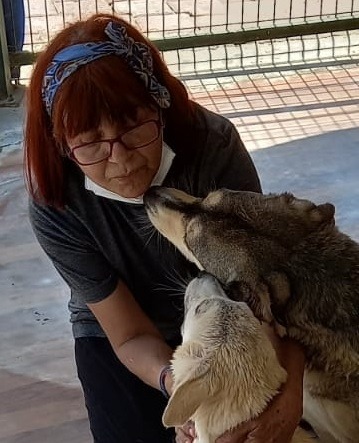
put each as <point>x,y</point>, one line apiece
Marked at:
<point>226,163</point>
<point>73,252</point>
<point>238,171</point>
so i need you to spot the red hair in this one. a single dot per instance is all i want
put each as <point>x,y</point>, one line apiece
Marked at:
<point>104,87</point>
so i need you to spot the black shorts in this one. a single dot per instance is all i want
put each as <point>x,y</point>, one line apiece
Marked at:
<point>121,408</point>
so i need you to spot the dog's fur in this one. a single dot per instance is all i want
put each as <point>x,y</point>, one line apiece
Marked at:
<point>226,370</point>
<point>292,246</point>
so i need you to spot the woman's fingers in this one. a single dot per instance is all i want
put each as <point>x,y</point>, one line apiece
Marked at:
<point>186,433</point>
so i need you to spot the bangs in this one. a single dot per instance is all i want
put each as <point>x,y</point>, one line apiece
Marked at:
<point>105,88</point>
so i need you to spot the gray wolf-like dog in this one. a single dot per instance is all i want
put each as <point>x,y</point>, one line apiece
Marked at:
<point>226,369</point>
<point>292,247</point>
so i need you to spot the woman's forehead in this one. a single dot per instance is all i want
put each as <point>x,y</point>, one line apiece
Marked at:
<point>135,116</point>
<point>141,114</point>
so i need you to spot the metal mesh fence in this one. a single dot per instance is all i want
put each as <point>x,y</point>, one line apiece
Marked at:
<point>267,55</point>
<point>165,19</point>
<point>207,36</point>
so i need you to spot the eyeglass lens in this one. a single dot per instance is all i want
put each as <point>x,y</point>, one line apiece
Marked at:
<point>136,138</point>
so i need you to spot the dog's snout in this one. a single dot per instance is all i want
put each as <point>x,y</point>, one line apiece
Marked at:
<point>169,197</point>
<point>202,274</point>
<point>152,195</point>
<point>206,278</point>
<point>161,195</point>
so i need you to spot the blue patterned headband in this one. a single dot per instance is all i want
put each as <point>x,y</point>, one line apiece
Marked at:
<point>136,54</point>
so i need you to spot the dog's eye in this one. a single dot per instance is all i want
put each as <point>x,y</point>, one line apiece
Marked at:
<point>202,307</point>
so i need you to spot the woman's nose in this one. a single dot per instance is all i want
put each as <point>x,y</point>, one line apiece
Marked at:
<point>119,153</point>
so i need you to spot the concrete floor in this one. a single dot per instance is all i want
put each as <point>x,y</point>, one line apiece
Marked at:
<point>40,399</point>
<point>323,168</point>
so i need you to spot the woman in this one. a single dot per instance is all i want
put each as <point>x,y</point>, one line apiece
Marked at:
<point>105,121</point>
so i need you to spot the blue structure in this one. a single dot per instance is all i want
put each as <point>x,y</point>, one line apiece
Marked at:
<point>14,16</point>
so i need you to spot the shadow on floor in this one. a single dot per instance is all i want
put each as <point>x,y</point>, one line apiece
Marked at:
<point>322,168</point>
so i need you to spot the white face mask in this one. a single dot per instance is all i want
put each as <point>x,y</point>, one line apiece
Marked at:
<point>166,162</point>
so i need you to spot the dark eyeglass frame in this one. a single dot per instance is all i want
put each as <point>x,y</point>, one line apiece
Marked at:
<point>158,121</point>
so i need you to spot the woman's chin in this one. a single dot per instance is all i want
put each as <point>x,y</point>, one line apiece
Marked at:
<point>129,190</point>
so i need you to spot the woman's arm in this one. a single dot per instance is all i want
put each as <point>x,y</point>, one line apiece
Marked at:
<point>134,338</point>
<point>136,341</point>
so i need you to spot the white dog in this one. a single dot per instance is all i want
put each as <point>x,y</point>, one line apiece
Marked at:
<point>226,370</point>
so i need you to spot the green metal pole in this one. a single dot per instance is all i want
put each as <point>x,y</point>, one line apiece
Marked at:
<point>5,84</point>
<point>257,34</point>
<point>244,36</point>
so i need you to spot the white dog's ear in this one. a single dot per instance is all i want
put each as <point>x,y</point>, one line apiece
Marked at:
<point>184,402</point>
<point>192,366</point>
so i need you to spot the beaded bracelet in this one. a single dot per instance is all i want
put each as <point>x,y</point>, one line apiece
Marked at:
<point>161,380</point>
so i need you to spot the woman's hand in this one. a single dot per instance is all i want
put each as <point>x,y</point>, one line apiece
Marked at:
<point>186,433</point>
<point>279,421</point>
<point>275,425</point>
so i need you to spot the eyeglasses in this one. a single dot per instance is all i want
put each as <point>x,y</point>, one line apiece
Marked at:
<point>100,150</point>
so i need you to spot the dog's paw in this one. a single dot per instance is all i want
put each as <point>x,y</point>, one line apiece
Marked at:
<point>279,288</point>
<point>279,329</point>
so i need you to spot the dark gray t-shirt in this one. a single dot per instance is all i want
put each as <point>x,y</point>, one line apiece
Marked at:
<point>95,241</point>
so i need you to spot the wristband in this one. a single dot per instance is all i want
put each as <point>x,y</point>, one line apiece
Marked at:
<point>161,380</point>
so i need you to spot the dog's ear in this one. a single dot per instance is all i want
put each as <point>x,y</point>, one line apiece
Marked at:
<point>191,391</point>
<point>323,213</point>
<point>184,402</point>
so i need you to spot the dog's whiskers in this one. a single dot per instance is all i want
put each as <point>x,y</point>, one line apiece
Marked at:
<point>144,223</point>
<point>178,280</point>
<point>173,293</point>
<point>150,237</point>
<point>147,229</point>
<point>177,284</point>
<point>169,289</point>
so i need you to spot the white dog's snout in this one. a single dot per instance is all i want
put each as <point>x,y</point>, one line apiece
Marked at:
<point>204,285</point>
<point>205,274</point>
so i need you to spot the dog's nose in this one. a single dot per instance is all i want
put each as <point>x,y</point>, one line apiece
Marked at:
<point>209,277</point>
<point>202,274</point>
<point>205,274</point>
<point>152,195</point>
<point>153,190</point>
